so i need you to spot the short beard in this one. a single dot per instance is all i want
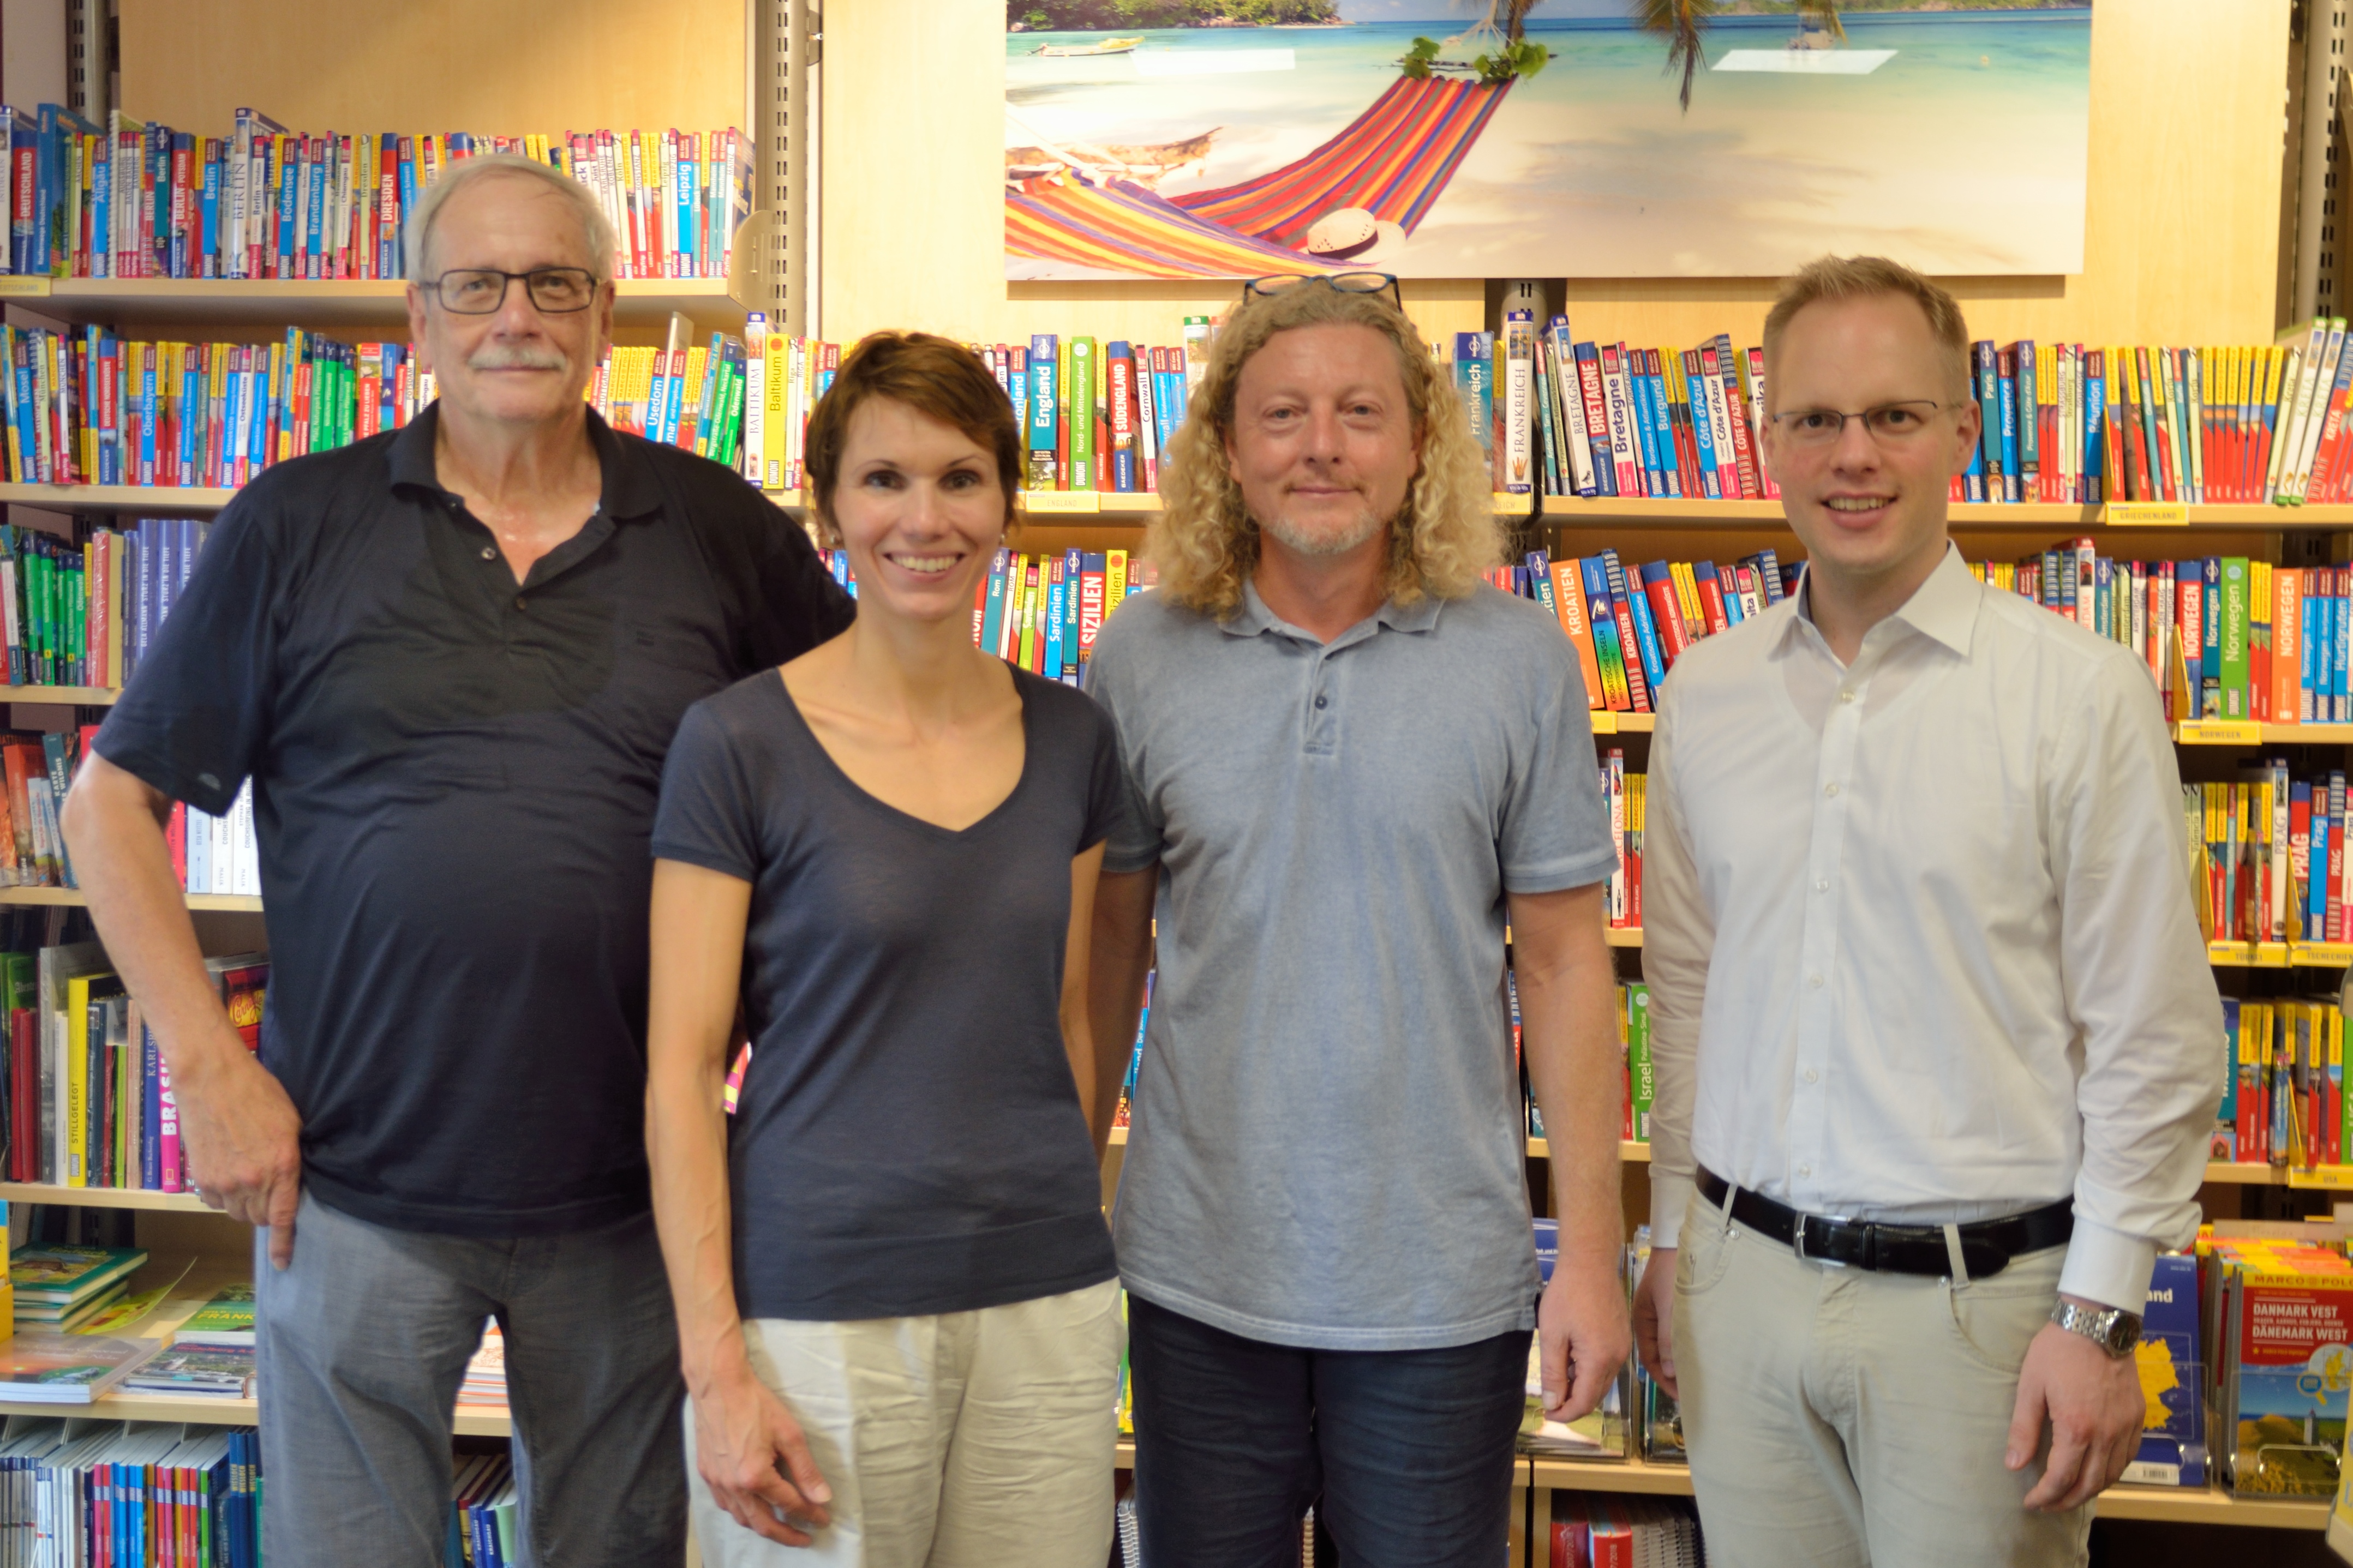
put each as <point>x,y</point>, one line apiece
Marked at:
<point>1334,541</point>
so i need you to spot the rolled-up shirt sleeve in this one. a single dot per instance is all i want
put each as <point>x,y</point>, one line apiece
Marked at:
<point>2137,985</point>
<point>1678,939</point>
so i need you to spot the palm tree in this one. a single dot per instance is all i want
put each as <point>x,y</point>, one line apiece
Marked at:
<point>1683,22</point>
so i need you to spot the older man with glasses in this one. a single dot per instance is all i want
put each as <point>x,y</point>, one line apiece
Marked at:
<point>1936,1040</point>
<point>1351,761</point>
<point>449,659</point>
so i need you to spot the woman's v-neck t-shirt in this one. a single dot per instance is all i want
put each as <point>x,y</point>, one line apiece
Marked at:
<point>908,1138</point>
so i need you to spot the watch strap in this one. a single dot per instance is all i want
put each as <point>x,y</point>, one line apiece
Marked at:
<point>2112,1329</point>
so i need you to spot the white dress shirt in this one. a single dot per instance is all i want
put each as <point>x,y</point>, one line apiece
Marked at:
<point>1918,931</point>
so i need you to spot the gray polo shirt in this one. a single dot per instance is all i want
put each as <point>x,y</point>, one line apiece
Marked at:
<point>1326,1142</point>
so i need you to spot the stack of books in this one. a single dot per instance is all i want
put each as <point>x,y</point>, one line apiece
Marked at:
<point>43,1368</point>
<point>223,1323</point>
<point>58,1287</point>
<point>485,1384</point>
<point>197,1372</point>
<point>2279,1311</point>
<point>1601,1434</point>
<point>1594,1530</point>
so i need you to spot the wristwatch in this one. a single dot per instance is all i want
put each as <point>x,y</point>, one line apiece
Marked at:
<point>2112,1329</point>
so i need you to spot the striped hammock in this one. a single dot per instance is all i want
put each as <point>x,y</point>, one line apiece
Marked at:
<point>1120,227</point>
<point>1394,160</point>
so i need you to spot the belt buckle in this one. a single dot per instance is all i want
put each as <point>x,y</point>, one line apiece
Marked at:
<point>1798,1242</point>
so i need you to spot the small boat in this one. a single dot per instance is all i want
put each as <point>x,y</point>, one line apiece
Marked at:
<point>1074,51</point>
<point>1147,166</point>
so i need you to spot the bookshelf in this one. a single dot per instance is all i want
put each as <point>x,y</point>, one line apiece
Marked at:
<point>80,696</point>
<point>634,63</point>
<point>102,1197</point>
<point>2187,1505</point>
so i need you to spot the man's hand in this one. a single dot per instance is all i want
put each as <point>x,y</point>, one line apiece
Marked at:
<point>244,1141</point>
<point>2094,1407</point>
<point>1654,1318</point>
<point>1581,1326</point>
<point>756,1459</point>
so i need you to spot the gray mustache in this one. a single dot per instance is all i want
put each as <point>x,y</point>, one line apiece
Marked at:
<point>515,359</point>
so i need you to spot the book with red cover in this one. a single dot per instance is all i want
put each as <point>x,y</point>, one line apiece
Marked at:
<point>1666,609</point>
<point>1711,596</point>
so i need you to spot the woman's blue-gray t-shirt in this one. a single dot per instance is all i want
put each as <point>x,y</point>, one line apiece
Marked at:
<point>907,1139</point>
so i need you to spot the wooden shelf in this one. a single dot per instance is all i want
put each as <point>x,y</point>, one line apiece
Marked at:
<point>2280,954</point>
<point>102,1197</point>
<point>471,1421</point>
<point>1606,722</point>
<point>243,903</point>
<point>1578,512</point>
<point>1623,936</point>
<point>2246,1175</point>
<point>129,301</point>
<point>2244,732</point>
<point>1608,1476</point>
<point>2178,1505</point>
<point>117,498</point>
<point>80,696</point>
<point>1083,509</point>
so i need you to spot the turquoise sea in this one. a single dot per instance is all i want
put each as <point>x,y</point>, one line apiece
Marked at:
<point>1963,153</point>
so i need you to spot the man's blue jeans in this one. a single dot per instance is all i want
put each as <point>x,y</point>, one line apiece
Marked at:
<point>1405,1454</point>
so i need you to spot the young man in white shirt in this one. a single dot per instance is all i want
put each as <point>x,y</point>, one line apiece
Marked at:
<point>1936,1038</point>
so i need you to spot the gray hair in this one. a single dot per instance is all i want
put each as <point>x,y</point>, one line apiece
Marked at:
<point>595,226</point>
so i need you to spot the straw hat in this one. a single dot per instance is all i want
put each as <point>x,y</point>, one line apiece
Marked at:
<point>1352,234</point>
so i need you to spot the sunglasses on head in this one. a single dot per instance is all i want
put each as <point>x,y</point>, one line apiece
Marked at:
<point>1346,283</point>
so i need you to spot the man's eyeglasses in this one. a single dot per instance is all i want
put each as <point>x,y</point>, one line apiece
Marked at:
<point>1346,283</point>
<point>481,291</point>
<point>1890,423</point>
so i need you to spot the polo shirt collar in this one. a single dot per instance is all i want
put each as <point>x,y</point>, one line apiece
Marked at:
<point>1252,617</point>
<point>631,487</point>
<point>1944,608</point>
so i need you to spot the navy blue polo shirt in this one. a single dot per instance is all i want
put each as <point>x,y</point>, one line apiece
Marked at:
<point>454,780</point>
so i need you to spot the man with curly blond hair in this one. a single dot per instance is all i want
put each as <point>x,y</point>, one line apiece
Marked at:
<point>1351,761</point>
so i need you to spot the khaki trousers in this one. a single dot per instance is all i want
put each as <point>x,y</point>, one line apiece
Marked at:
<point>1837,1418</point>
<point>967,1440</point>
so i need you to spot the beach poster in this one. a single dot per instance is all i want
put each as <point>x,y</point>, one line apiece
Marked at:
<point>1509,140</point>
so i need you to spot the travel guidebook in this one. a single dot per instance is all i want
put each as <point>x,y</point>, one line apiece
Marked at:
<point>62,1285</point>
<point>225,1321</point>
<point>205,1371</point>
<point>68,1369</point>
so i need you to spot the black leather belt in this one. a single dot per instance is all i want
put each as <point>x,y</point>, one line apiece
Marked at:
<point>1987,1246</point>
